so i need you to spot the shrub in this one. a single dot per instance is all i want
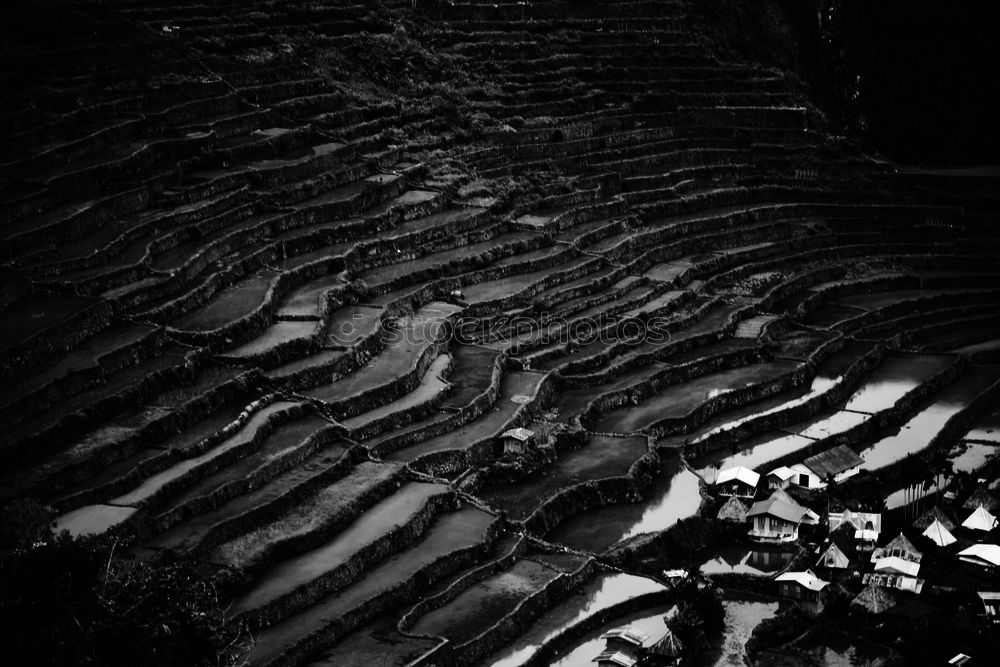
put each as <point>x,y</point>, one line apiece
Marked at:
<point>77,601</point>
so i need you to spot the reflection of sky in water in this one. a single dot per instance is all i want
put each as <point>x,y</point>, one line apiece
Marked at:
<point>770,447</point>
<point>892,379</point>
<point>819,385</point>
<point>986,429</point>
<point>673,496</point>
<point>735,558</point>
<point>965,457</point>
<point>915,435</point>
<point>766,451</point>
<point>609,590</point>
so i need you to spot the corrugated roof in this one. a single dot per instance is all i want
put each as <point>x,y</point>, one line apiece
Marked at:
<point>787,511</point>
<point>616,658</point>
<point>805,579</point>
<point>522,434</point>
<point>629,634</point>
<point>833,461</point>
<point>739,473</point>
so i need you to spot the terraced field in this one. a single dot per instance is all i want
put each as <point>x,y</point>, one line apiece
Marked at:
<point>256,320</point>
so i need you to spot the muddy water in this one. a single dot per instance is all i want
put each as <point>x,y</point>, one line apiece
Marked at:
<point>673,496</point>
<point>917,433</point>
<point>605,591</point>
<point>741,618</point>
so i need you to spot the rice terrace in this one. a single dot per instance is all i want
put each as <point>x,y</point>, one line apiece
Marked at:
<point>466,332</point>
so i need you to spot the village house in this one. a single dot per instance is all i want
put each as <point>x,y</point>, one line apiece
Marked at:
<point>517,440</point>
<point>980,520</point>
<point>890,579</point>
<point>867,525</point>
<point>986,556</point>
<point>631,647</point>
<point>740,482</point>
<point>805,589</point>
<point>838,463</point>
<point>837,556</point>
<point>939,534</point>
<point>991,605</point>
<point>897,565</point>
<point>780,478</point>
<point>778,518</point>
<point>898,547</point>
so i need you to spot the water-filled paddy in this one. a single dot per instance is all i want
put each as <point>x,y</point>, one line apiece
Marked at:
<point>477,608</point>
<point>679,400</point>
<point>918,432</point>
<point>673,495</point>
<point>601,457</point>
<point>514,386</point>
<point>600,593</point>
<point>892,379</point>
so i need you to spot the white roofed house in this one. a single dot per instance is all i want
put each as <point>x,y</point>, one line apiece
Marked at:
<point>836,558</point>
<point>780,478</point>
<point>899,547</point>
<point>984,555</point>
<point>991,605</point>
<point>939,534</point>
<point>805,589</point>
<point>517,440</point>
<point>981,520</point>
<point>740,482</point>
<point>778,518</point>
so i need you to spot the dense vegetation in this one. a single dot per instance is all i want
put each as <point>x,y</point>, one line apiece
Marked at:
<point>66,601</point>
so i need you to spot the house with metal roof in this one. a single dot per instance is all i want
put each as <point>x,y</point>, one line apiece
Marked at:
<point>517,440</point>
<point>805,589</point>
<point>778,518</point>
<point>838,463</point>
<point>738,481</point>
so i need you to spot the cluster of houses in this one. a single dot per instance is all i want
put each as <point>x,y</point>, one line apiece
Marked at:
<point>893,572</point>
